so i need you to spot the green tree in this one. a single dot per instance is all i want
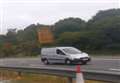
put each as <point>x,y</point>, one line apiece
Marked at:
<point>106,25</point>
<point>11,36</point>
<point>77,39</point>
<point>68,25</point>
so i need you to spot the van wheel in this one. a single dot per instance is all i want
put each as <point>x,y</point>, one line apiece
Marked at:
<point>67,61</point>
<point>46,61</point>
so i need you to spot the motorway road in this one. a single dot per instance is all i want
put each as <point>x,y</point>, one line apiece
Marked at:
<point>97,64</point>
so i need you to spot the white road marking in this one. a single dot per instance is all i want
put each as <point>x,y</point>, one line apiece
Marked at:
<point>114,69</point>
<point>105,59</point>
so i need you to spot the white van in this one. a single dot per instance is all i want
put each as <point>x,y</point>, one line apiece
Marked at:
<point>65,55</point>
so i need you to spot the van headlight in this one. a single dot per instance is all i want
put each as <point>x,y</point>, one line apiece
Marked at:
<point>86,54</point>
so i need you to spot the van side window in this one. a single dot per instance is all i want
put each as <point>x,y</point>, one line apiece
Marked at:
<point>59,52</point>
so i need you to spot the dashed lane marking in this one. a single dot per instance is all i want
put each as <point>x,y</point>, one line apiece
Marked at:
<point>114,69</point>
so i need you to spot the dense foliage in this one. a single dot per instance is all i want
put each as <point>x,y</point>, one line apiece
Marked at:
<point>100,33</point>
<point>68,25</point>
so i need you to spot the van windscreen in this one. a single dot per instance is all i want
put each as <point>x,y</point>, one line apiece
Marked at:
<point>71,51</point>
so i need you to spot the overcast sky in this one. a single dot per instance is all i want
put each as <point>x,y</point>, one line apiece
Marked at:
<point>21,13</point>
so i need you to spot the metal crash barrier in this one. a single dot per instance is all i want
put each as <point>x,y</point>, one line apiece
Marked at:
<point>76,74</point>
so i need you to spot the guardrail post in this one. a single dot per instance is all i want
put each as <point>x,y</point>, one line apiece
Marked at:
<point>19,75</point>
<point>79,76</point>
<point>70,80</point>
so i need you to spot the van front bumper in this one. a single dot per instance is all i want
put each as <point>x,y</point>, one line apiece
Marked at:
<point>85,59</point>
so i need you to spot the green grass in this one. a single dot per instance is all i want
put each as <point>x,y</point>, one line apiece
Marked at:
<point>37,78</point>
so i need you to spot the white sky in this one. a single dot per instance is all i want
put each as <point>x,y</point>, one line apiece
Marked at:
<point>21,13</point>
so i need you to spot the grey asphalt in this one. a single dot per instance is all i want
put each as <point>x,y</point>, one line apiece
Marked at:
<point>97,64</point>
